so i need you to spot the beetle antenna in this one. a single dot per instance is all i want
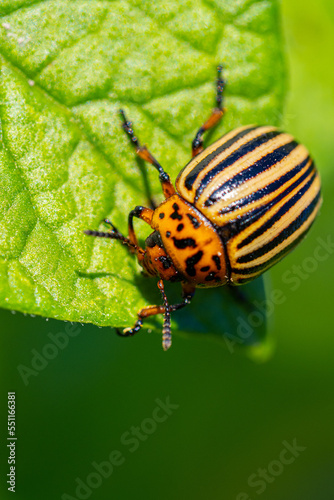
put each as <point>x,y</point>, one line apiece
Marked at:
<point>115,235</point>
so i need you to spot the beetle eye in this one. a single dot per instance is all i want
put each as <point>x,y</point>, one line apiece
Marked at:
<point>154,239</point>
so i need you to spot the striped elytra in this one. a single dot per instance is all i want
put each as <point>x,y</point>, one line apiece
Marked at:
<point>260,189</point>
<point>239,206</point>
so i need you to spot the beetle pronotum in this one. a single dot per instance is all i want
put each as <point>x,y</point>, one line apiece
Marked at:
<point>239,207</point>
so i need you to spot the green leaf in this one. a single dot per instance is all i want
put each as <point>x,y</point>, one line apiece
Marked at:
<point>67,67</point>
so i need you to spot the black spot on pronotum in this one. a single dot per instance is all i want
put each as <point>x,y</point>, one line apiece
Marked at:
<point>180,227</point>
<point>194,221</point>
<point>161,215</point>
<point>167,234</point>
<point>191,262</point>
<point>175,215</point>
<point>184,242</point>
<point>165,261</point>
<point>216,260</point>
<point>204,269</point>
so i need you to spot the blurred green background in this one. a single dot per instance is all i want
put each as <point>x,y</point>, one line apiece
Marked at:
<point>230,419</point>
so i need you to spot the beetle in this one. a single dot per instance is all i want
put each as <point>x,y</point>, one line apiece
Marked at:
<point>239,206</point>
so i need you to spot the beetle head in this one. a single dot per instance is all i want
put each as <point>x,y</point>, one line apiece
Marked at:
<point>156,262</point>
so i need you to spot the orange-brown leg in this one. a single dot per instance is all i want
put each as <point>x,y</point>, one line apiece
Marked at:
<point>142,213</point>
<point>188,292</point>
<point>144,153</point>
<point>216,115</point>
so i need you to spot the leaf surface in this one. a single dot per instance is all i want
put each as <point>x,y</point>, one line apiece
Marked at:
<point>65,164</point>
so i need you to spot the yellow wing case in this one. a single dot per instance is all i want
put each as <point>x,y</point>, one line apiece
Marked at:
<point>260,189</point>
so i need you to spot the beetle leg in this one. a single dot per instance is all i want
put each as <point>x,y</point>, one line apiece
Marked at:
<point>166,328</point>
<point>149,311</point>
<point>144,214</point>
<point>216,115</point>
<point>144,153</point>
<point>188,292</point>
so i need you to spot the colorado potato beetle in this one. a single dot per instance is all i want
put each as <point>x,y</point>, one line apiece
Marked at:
<point>239,207</point>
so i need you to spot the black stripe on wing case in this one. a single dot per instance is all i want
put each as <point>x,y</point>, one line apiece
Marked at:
<point>252,216</point>
<point>193,174</point>
<point>288,231</point>
<point>243,150</point>
<point>280,213</point>
<point>268,189</point>
<point>257,168</point>
<point>268,263</point>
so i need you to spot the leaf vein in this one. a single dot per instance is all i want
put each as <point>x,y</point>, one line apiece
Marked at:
<point>50,60</point>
